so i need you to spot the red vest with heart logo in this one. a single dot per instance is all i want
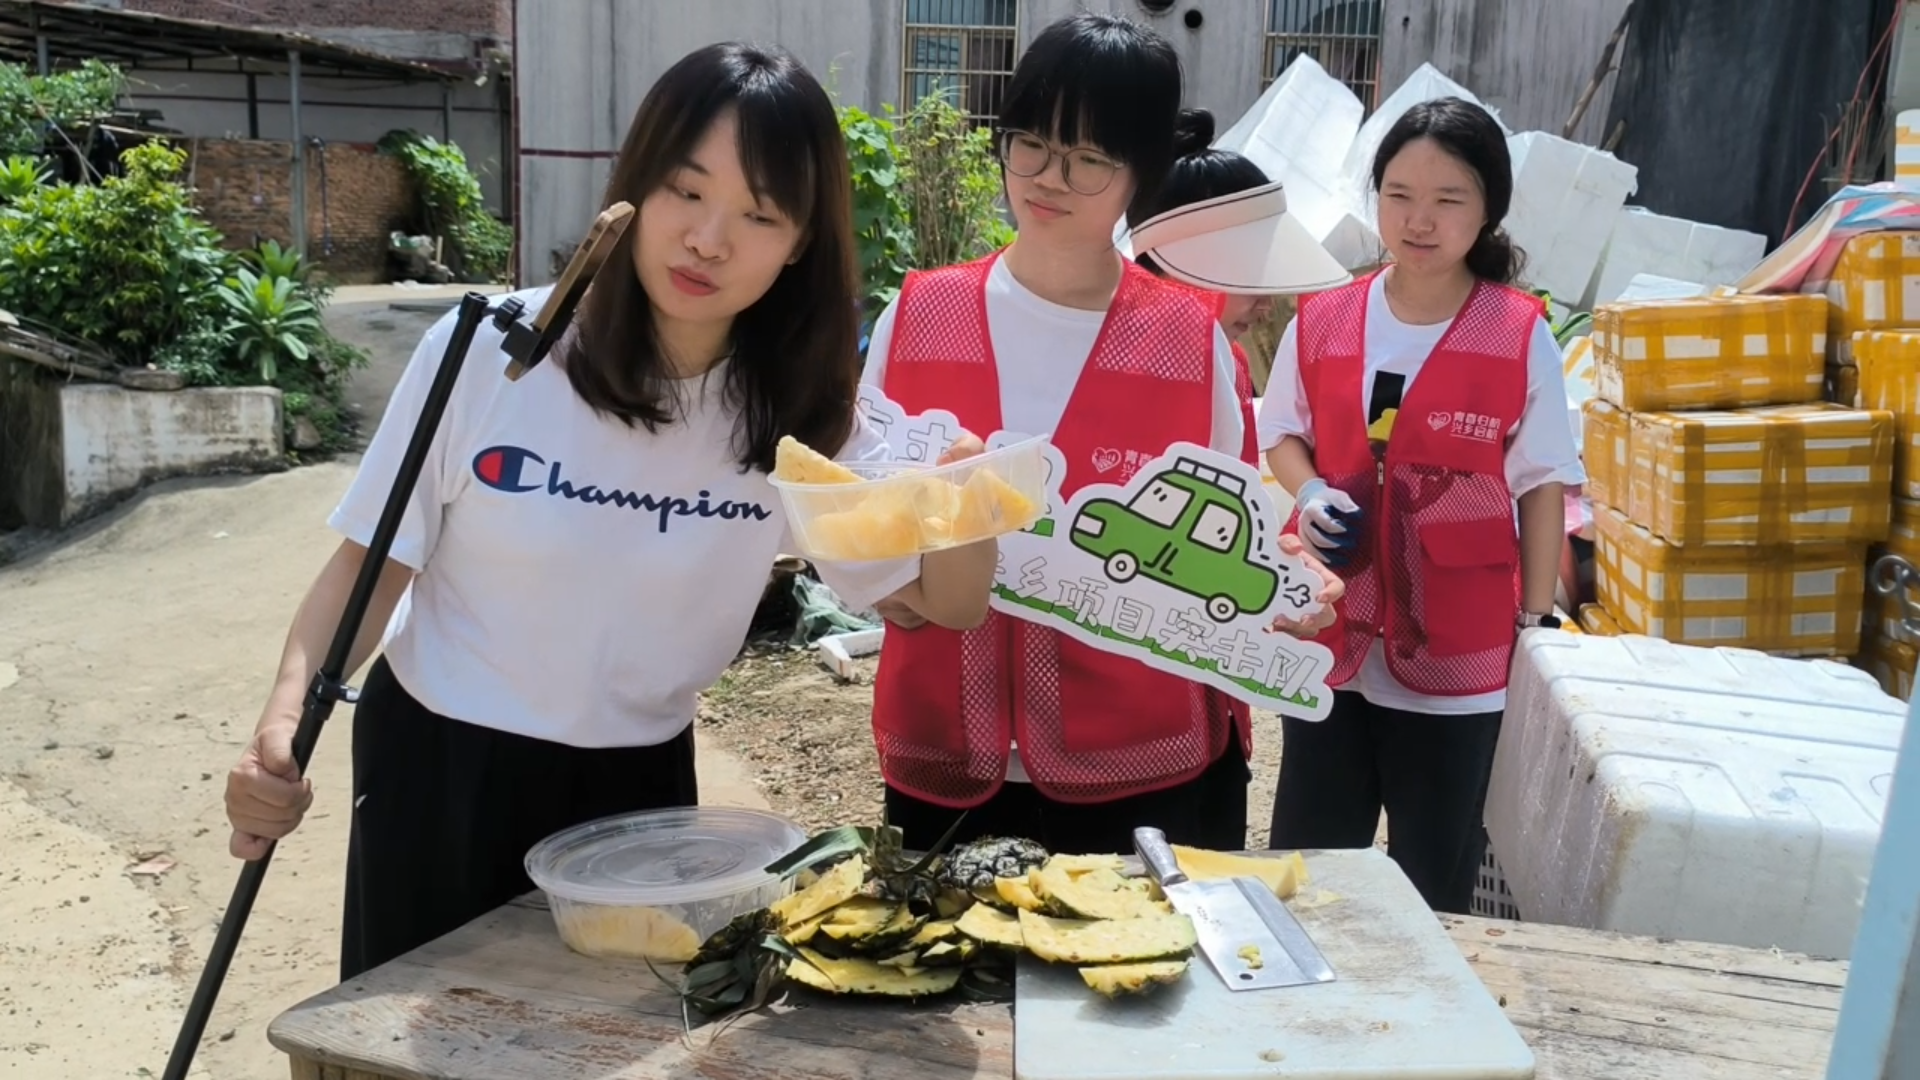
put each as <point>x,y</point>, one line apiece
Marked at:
<point>1436,576</point>
<point>1092,726</point>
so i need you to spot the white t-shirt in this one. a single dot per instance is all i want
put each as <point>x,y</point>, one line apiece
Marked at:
<point>1540,449</point>
<point>578,580</point>
<point>1042,348</point>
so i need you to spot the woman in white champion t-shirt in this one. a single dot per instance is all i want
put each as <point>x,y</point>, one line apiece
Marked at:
<point>587,546</point>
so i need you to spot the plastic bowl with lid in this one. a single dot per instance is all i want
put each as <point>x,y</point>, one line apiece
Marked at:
<point>900,509</point>
<point>654,885</point>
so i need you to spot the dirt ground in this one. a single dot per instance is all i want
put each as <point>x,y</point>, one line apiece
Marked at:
<point>805,738</point>
<point>134,655</point>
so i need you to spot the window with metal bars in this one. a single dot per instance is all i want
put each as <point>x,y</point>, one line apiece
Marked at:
<point>1342,36</point>
<point>962,49</point>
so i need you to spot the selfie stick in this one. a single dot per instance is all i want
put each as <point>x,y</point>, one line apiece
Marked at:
<point>525,346</point>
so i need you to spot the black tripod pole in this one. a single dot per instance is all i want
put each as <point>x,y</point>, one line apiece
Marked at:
<point>329,686</point>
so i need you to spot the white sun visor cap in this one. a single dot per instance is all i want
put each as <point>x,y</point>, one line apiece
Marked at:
<point>1244,243</point>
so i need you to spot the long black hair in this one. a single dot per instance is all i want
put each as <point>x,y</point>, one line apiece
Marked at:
<point>1199,172</point>
<point>1471,135</point>
<point>796,363</point>
<point>1104,81</point>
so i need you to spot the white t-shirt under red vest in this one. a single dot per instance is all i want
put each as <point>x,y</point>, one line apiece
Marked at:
<point>1091,726</point>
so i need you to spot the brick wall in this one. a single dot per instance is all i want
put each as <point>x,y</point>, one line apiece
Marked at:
<point>482,18</point>
<point>244,188</point>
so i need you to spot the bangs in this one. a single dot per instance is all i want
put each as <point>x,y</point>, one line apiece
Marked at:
<point>1103,87</point>
<point>777,146</point>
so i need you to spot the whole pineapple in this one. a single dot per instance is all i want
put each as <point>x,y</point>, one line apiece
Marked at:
<point>975,865</point>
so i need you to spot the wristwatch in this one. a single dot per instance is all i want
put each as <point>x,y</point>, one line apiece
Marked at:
<point>1529,620</point>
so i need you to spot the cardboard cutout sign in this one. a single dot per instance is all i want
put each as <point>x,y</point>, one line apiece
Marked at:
<point>1176,564</point>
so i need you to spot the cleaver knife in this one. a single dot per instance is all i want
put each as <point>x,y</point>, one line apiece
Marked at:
<point>1246,933</point>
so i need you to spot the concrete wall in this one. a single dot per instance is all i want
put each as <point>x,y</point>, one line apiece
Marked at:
<point>72,449</point>
<point>245,189</point>
<point>1530,59</point>
<point>579,80</point>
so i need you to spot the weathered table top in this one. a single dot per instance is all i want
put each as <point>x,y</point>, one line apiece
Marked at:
<point>503,998</point>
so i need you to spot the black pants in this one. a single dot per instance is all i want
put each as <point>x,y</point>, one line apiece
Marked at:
<point>1429,772</point>
<point>1209,811</point>
<point>445,811</point>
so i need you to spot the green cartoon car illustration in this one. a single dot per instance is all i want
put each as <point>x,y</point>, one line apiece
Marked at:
<point>1188,528</point>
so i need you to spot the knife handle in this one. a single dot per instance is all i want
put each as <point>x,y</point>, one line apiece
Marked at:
<point>1151,844</point>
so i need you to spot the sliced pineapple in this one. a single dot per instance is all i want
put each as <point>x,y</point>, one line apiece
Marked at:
<point>935,932</point>
<point>990,896</point>
<point>1283,875</point>
<point>861,976</point>
<point>1096,894</point>
<point>1120,980</point>
<point>949,953</point>
<point>991,926</point>
<point>1106,941</point>
<point>901,929</point>
<point>804,933</point>
<point>834,888</point>
<point>859,918</point>
<point>1081,864</point>
<point>905,960</point>
<point>950,902</point>
<point>1017,894</point>
<point>798,463</point>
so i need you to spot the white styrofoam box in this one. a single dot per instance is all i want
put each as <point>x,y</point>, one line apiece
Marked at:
<point>1565,199</point>
<point>1305,121</point>
<point>1717,795</point>
<point>1655,287</point>
<point>1299,132</point>
<point>1646,242</point>
<point>1425,84</point>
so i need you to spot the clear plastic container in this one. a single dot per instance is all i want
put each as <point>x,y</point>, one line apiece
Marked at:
<point>655,884</point>
<point>899,509</point>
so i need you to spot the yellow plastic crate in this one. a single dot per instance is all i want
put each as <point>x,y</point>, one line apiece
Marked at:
<point>1875,285</point>
<point>1798,600</point>
<point>1889,363</point>
<point>1711,352</point>
<point>1891,662</point>
<point>1784,474</point>
<point>1605,452</point>
<point>1595,620</point>
<point>1886,615</point>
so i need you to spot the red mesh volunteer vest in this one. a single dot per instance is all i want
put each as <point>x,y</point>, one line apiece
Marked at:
<point>1437,573</point>
<point>1092,726</point>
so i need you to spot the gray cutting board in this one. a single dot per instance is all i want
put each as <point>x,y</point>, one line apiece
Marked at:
<point>1404,1004</point>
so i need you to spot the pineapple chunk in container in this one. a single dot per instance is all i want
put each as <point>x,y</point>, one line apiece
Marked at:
<point>892,510</point>
<point>655,885</point>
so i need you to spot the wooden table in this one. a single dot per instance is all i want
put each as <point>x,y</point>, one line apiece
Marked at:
<point>503,999</point>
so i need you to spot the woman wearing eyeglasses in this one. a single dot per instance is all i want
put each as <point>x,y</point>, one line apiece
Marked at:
<point>1029,732</point>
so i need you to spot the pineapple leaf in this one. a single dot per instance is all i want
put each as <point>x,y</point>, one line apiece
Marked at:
<point>830,845</point>
<point>940,846</point>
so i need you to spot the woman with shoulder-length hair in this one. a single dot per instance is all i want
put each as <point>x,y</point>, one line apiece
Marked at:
<point>1028,731</point>
<point>1447,525</point>
<point>586,547</point>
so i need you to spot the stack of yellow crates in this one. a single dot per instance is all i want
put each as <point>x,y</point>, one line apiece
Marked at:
<point>1875,293</point>
<point>1733,506</point>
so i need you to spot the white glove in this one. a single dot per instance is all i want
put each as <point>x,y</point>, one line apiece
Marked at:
<point>1329,520</point>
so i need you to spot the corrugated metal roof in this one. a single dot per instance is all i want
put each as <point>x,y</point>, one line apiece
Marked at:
<point>132,39</point>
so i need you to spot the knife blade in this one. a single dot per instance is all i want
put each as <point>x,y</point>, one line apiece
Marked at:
<point>1247,935</point>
